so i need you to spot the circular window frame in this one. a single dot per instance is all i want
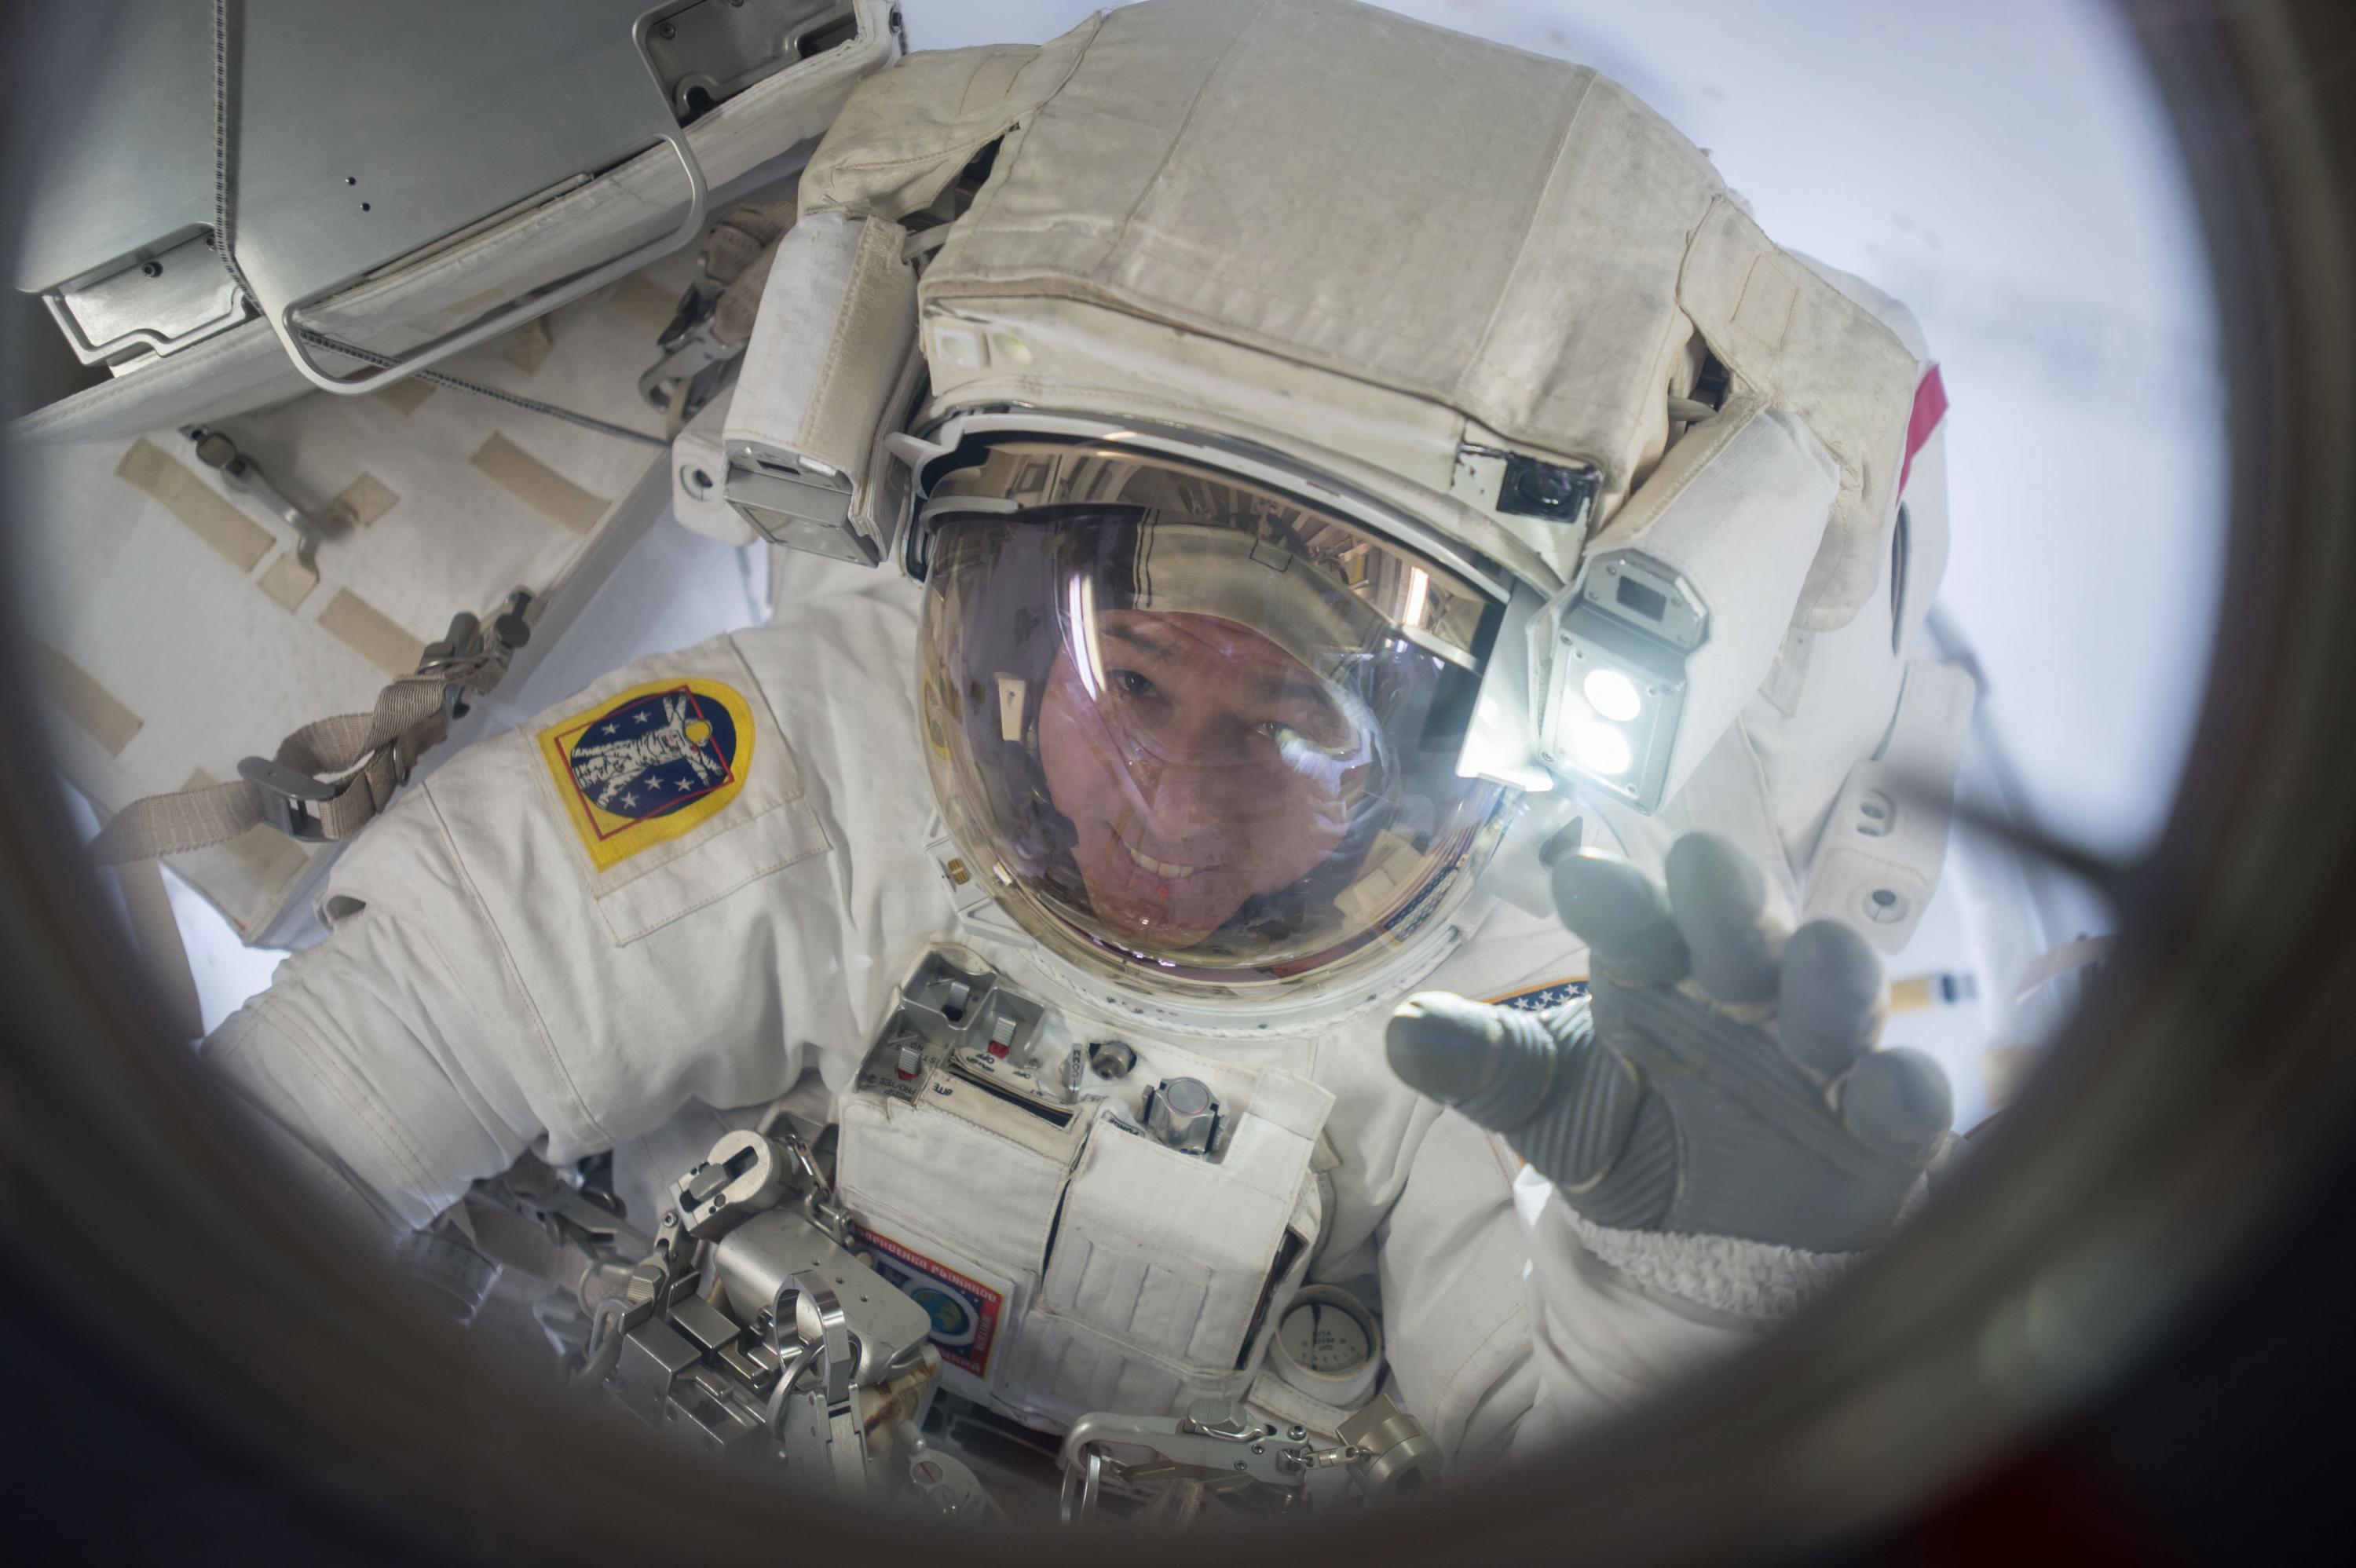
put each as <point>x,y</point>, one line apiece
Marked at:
<point>2204,1079</point>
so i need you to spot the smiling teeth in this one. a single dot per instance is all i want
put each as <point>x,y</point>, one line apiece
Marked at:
<point>1160,868</point>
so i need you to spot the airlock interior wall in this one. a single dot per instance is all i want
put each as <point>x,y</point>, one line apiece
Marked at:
<point>176,631</point>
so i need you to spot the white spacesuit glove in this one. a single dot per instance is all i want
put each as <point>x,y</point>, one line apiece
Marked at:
<point>1722,1078</point>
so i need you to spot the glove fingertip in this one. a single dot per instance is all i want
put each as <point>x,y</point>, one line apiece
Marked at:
<point>1730,917</point>
<point>1622,916</point>
<point>1831,1008</point>
<point>1898,1102</point>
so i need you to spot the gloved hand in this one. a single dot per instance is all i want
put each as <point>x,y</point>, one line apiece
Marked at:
<point>1720,1078</point>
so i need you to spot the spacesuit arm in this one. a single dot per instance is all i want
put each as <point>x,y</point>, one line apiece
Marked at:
<point>1505,1328</point>
<point>1455,1315</point>
<point>1601,1341</point>
<point>505,972</point>
<point>1711,1138</point>
<point>373,1065</point>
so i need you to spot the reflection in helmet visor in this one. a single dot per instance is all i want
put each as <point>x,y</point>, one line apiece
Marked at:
<point>1194,728</point>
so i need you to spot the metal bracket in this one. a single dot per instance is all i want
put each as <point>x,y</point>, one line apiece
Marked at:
<point>692,368</point>
<point>1213,1440</point>
<point>499,322</point>
<point>821,1426</point>
<point>570,1218</point>
<point>184,286</point>
<point>239,472</point>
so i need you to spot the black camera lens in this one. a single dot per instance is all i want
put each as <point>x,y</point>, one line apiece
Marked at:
<point>1535,489</point>
<point>1548,487</point>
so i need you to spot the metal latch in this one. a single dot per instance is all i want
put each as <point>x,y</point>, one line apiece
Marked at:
<point>294,803</point>
<point>489,649</point>
<point>291,800</point>
<point>218,453</point>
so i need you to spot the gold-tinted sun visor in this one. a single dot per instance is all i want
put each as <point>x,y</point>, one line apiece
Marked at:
<point>1219,535</point>
<point>1197,729</point>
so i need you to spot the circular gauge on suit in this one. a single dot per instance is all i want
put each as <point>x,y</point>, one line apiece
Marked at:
<point>1329,1344</point>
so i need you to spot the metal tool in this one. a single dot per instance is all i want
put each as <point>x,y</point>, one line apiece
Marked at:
<point>1218,1446</point>
<point>821,1432</point>
<point>1215,1445</point>
<point>578,1217</point>
<point>696,364</point>
<point>744,1169</point>
<point>1391,1451</point>
<point>750,1327</point>
<point>470,644</point>
<point>456,1279</point>
<point>218,453</point>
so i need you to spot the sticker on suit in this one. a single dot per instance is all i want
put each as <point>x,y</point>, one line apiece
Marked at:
<point>1542,998</point>
<point>964,1311</point>
<point>650,764</point>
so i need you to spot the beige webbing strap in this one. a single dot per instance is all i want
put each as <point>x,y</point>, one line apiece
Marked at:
<point>325,782</point>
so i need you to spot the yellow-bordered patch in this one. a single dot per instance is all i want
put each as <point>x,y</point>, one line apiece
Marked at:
<point>650,763</point>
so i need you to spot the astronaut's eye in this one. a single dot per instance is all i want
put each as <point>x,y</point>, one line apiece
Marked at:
<point>1132,684</point>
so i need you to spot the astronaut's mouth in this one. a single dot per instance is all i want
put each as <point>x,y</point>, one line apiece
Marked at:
<point>1159,867</point>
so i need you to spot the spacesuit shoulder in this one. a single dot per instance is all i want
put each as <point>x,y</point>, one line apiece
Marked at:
<point>604,803</point>
<point>695,850</point>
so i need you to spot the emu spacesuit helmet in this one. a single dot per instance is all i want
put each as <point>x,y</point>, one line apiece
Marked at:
<point>1313,430</point>
<point>1192,727</point>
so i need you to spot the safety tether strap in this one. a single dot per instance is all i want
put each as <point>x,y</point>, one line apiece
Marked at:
<point>326,781</point>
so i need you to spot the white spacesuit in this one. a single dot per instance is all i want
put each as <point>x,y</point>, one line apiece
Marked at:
<point>1281,385</point>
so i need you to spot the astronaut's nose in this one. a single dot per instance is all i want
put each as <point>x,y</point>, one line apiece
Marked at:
<point>1199,803</point>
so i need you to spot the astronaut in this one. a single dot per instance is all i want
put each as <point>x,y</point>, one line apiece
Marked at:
<point>1246,404</point>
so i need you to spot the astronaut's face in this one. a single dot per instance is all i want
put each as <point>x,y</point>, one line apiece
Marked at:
<point>1201,765</point>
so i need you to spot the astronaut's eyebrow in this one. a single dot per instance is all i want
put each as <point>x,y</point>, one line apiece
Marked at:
<point>1301,687</point>
<point>1138,637</point>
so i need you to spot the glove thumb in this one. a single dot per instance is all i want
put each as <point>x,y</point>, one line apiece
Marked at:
<point>1495,1064</point>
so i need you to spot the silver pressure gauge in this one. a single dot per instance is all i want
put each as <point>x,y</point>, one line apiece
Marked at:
<point>1329,1344</point>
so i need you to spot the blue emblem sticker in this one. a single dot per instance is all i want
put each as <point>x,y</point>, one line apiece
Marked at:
<point>649,764</point>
